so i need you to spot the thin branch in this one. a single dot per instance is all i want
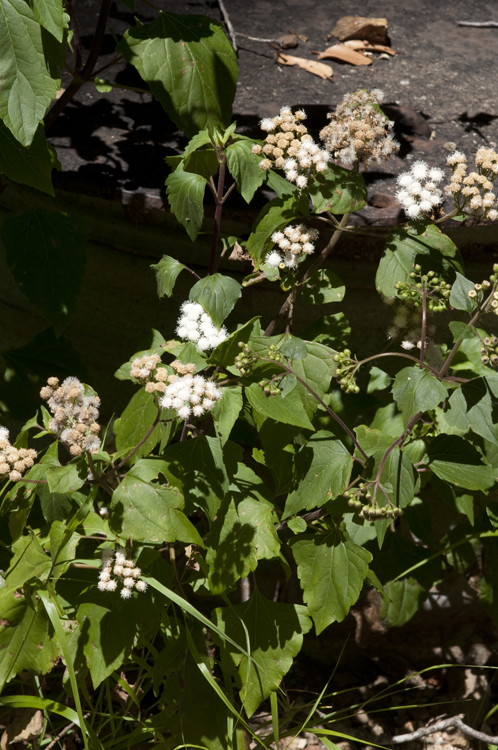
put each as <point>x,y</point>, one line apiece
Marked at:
<point>255,38</point>
<point>33,481</point>
<point>78,47</point>
<point>409,427</point>
<point>424,326</point>
<point>132,453</point>
<point>479,24</point>
<point>228,23</point>
<point>64,731</point>
<point>440,726</point>
<point>217,214</point>
<point>98,478</point>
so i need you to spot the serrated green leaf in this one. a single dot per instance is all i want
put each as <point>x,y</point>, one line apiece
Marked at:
<point>279,184</point>
<point>331,330</point>
<point>405,598</point>
<point>197,467</point>
<point>459,298</point>
<point>226,412</point>
<point>455,460</point>
<point>275,631</point>
<point>323,465</point>
<point>217,294</point>
<point>69,478</point>
<point>417,390</point>
<point>26,638</point>
<point>135,422</point>
<point>185,192</point>
<point>167,271</point>
<point>294,348</point>
<point>316,369</point>
<point>150,512</point>
<point>289,410</point>
<point>190,67</point>
<point>240,536</point>
<point>28,561</point>
<point>37,245</point>
<point>225,353</point>
<point>462,331</point>
<point>49,14</point>
<point>28,85</point>
<point>244,168</point>
<point>475,406</point>
<point>297,525</point>
<point>274,216</point>
<point>103,85</point>
<point>338,190</point>
<point>379,380</point>
<point>31,165</point>
<point>331,570</point>
<point>322,287</point>
<point>423,244</point>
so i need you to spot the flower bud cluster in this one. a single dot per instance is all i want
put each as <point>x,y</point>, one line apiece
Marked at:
<point>473,192</point>
<point>14,461</point>
<point>345,371</point>
<point>269,387</point>
<point>245,361</point>
<point>123,570</point>
<point>194,324</point>
<point>74,415</point>
<point>437,291</point>
<point>294,242</point>
<point>291,148</point>
<point>371,511</point>
<point>489,351</point>
<point>190,394</point>
<point>418,190</point>
<point>480,290</point>
<point>359,131</point>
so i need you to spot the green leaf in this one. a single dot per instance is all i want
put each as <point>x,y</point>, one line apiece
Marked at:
<point>240,536</point>
<point>190,67</point>
<point>275,631</point>
<point>244,168</point>
<point>226,412</point>
<point>417,390</point>
<point>277,183</point>
<point>289,410</point>
<point>134,424</point>
<point>225,353</point>
<point>26,638</point>
<point>63,545</point>
<point>379,380</point>
<point>338,190</point>
<point>294,348</point>
<point>331,330</point>
<point>166,272</point>
<point>331,570</point>
<point>203,162</point>
<point>462,331</point>
<point>197,467</point>
<point>28,561</point>
<point>28,85</point>
<point>323,286</point>
<point>316,370</point>
<point>217,294</point>
<point>49,14</point>
<point>185,192</point>
<point>459,298</point>
<point>455,460</point>
<point>108,627</point>
<point>147,511</point>
<point>37,245</point>
<point>275,215</point>
<point>323,465</point>
<point>69,478</point>
<point>103,85</point>
<point>475,406</point>
<point>31,165</point>
<point>423,244</point>
<point>405,599</point>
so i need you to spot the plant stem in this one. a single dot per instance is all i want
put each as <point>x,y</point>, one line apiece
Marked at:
<point>132,453</point>
<point>314,267</point>
<point>424,326</point>
<point>217,214</point>
<point>86,72</point>
<point>409,427</point>
<point>98,478</point>
<point>78,47</point>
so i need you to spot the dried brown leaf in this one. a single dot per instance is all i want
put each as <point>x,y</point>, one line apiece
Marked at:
<point>345,54</point>
<point>359,45</point>
<point>26,725</point>
<point>317,68</point>
<point>358,27</point>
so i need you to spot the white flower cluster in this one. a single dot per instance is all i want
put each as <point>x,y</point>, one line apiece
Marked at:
<point>473,192</point>
<point>74,415</point>
<point>292,148</point>
<point>13,461</point>
<point>124,570</point>
<point>190,394</point>
<point>146,368</point>
<point>194,324</point>
<point>293,241</point>
<point>359,131</point>
<point>418,192</point>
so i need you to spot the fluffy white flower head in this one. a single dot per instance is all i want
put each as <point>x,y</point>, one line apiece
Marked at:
<point>195,325</point>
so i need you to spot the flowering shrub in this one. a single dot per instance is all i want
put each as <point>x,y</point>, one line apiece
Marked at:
<point>242,499</point>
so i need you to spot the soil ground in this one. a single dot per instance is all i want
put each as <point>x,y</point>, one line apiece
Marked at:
<point>114,144</point>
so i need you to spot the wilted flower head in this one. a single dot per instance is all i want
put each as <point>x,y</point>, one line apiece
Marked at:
<point>74,414</point>
<point>359,131</point>
<point>14,461</point>
<point>473,192</point>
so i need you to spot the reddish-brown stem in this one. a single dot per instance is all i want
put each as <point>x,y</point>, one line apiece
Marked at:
<point>86,72</point>
<point>424,326</point>
<point>217,214</point>
<point>78,47</point>
<point>33,481</point>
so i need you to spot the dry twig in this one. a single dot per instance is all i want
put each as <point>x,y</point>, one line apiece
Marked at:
<point>228,23</point>
<point>440,726</point>
<point>484,24</point>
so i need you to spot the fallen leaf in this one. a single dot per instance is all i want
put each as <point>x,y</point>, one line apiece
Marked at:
<point>26,725</point>
<point>317,68</point>
<point>345,54</point>
<point>357,27</point>
<point>359,45</point>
